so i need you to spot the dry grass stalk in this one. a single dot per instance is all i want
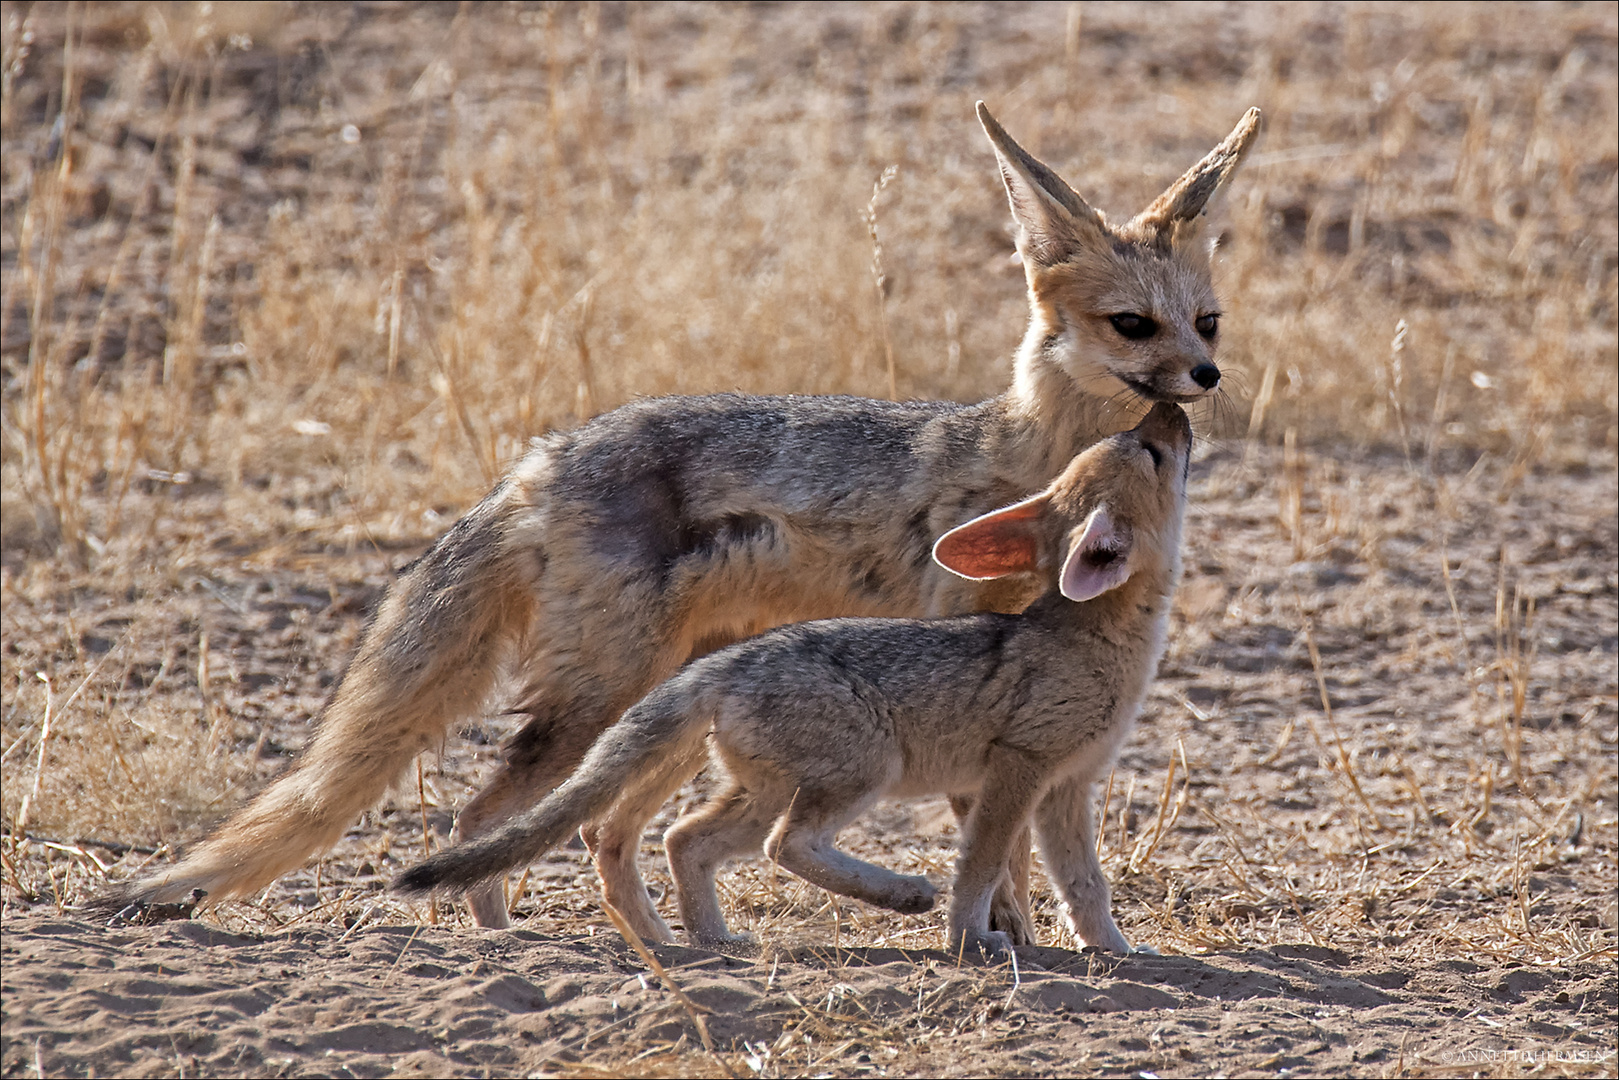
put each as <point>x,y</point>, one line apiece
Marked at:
<point>1346,764</point>
<point>652,962</point>
<point>879,278</point>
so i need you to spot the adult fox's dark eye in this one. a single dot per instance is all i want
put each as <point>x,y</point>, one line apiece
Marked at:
<point>1135,327</point>
<point>1157,455</point>
<point>1207,325</point>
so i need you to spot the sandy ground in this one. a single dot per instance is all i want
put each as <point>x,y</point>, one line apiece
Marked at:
<point>1304,932</point>
<point>193,1000</point>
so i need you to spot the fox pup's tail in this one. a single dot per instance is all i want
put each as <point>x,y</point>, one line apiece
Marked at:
<point>656,741</point>
<point>429,658</point>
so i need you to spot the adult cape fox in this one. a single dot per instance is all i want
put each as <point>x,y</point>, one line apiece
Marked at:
<point>813,723</point>
<point>611,554</point>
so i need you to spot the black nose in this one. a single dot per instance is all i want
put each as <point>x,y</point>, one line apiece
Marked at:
<point>1206,375</point>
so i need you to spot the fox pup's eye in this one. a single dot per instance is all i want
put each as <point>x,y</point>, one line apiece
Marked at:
<point>1133,326</point>
<point>1157,455</point>
<point>1208,325</point>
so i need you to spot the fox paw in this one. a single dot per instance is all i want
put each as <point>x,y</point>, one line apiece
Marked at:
<point>989,947</point>
<point>728,943</point>
<point>1011,920</point>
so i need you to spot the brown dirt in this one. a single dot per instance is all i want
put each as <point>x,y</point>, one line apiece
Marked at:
<point>1455,911</point>
<point>1370,816</point>
<point>405,1001</point>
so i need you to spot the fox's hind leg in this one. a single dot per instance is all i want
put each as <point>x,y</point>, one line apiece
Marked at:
<point>617,839</point>
<point>568,708</point>
<point>806,844</point>
<point>521,780</point>
<point>731,823</point>
<point>1009,911</point>
<point>611,626</point>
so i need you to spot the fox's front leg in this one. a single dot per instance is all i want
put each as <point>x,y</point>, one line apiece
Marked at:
<point>999,817</point>
<point>1009,908</point>
<point>1065,824</point>
<point>1009,911</point>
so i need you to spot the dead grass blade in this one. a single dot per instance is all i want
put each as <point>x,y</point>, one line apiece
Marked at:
<point>652,962</point>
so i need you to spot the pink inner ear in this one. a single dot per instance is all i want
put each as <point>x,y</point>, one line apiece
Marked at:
<point>1100,561</point>
<point>999,543</point>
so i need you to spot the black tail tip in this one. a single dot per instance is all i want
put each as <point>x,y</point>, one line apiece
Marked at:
<point>417,881</point>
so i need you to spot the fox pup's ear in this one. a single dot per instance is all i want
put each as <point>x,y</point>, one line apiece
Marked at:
<point>1101,559</point>
<point>1174,214</point>
<point>1002,542</point>
<point>1054,220</point>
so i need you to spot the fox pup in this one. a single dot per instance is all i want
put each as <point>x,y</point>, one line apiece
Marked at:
<point>612,554</point>
<point>814,723</point>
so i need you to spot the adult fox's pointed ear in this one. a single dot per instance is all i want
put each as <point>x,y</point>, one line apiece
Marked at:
<point>1174,214</point>
<point>1001,542</point>
<point>1053,219</point>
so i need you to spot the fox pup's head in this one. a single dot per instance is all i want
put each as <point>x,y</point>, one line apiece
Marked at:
<point>1113,513</point>
<point>1114,307</point>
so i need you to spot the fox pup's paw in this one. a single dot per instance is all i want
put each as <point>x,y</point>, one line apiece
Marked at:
<point>1121,949</point>
<point>728,943</point>
<point>988,947</point>
<point>1011,920</point>
<point>912,896</point>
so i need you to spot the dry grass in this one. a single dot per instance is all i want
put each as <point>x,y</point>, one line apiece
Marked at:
<point>285,287</point>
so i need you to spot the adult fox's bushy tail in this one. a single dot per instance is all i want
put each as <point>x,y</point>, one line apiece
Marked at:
<point>432,653</point>
<point>657,745</point>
